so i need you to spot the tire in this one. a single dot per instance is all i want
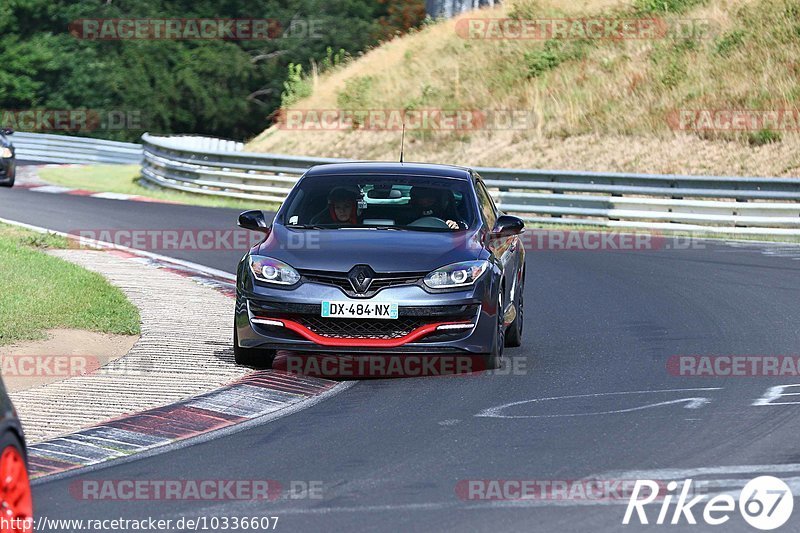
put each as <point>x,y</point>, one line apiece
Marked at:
<point>495,358</point>
<point>514,333</point>
<point>252,357</point>
<point>10,177</point>
<point>15,491</point>
<point>490,362</point>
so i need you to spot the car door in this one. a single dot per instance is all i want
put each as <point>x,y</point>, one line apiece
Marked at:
<point>506,249</point>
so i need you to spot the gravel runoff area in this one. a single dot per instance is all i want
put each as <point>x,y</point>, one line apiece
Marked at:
<point>185,349</point>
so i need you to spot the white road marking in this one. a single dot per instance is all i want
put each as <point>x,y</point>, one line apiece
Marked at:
<point>53,189</point>
<point>773,393</point>
<point>112,196</point>
<point>685,473</point>
<point>691,403</point>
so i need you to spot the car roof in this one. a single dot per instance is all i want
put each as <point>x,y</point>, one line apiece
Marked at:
<point>377,167</point>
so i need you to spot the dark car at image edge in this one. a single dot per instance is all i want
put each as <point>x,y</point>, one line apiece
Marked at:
<point>313,283</point>
<point>16,502</point>
<point>8,163</point>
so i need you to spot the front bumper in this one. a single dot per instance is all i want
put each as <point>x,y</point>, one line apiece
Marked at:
<point>445,322</point>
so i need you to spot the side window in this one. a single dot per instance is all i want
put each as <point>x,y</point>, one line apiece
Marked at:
<point>486,204</point>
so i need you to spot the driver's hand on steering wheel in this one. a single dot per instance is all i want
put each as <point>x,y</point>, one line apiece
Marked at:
<point>452,224</point>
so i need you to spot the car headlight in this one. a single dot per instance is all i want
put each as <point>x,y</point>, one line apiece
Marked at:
<point>6,153</point>
<point>271,270</point>
<point>456,275</point>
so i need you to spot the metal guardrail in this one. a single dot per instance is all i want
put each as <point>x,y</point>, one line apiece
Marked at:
<point>49,148</point>
<point>709,204</point>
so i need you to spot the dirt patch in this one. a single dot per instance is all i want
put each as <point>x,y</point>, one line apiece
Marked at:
<point>65,353</point>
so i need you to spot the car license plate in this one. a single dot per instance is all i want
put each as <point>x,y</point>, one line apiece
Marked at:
<point>359,310</point>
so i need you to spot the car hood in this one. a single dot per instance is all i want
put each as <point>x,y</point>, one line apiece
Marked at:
<point>383,250</point>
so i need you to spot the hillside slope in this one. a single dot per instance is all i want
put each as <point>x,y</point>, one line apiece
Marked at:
<point>715,90</point>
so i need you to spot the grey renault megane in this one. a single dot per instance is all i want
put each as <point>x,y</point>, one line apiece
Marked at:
<point>382,258</point>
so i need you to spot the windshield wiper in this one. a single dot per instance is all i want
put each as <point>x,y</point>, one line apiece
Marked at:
<point>321,226</point>
<point>309,226</point>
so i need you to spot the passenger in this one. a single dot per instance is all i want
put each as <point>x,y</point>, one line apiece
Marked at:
<point>343,206</point>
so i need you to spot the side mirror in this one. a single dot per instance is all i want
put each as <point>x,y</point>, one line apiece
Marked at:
<point>508,225</point>
<point>253,220</point>
<point>7,131</point>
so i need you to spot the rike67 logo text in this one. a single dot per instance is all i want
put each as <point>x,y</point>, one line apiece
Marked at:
<point>765,503</point>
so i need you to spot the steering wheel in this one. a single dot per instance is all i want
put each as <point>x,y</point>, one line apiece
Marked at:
<point>430,222</point>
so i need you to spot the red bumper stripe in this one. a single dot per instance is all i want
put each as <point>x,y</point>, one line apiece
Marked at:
<point>368,343</point>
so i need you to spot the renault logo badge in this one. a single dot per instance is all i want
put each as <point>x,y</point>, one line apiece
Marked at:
<point>361,277</point>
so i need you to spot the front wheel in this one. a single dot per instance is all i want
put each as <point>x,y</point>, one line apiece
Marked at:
<point>252,357</point>
<point>514,333</point>
<point>15,487</point>
<point>11,175</point>
<point>494,359</point>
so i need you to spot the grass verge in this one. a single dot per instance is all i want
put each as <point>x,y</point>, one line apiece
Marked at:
<point>124,179</point>
<point>40,292</point>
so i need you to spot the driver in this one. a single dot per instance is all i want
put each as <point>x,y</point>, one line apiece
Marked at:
<point>430,202</point>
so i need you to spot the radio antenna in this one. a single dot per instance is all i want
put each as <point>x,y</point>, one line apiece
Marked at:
<point>402,141</point>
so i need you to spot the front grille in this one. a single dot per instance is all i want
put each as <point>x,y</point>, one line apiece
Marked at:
<point>361,328</point>
<point>381,281</point>
<point>410,318</point>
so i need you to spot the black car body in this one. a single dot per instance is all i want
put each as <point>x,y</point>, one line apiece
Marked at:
<point>15,490</point>
<point>8,161</point>
<point>455,289</point>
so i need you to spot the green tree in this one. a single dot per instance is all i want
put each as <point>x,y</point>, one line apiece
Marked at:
<point>214,87</point>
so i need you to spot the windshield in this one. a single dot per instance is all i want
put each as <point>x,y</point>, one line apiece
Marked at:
<point>387,202</point>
